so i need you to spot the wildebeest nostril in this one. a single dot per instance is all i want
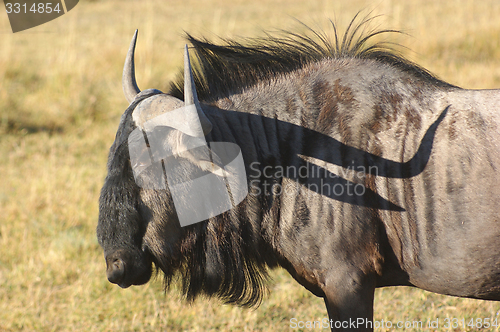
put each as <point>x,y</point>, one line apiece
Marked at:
<point>116,271</point>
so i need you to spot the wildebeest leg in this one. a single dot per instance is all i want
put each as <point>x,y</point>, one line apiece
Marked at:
<point>349,302</point>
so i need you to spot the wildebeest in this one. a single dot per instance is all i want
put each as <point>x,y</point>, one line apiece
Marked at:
<point>364,170</point>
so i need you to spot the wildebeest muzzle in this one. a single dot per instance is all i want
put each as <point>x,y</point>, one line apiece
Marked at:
<point>128,267</point>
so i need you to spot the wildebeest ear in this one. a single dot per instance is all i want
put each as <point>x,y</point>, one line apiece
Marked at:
<point>129,84</point>
<point>190,95</point>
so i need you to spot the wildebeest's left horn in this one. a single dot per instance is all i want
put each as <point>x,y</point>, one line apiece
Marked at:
<point>129,84</point>
<point>190,95</point>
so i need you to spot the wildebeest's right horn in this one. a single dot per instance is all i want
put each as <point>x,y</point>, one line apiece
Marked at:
<point>190,95</point>
<point>129,84</point>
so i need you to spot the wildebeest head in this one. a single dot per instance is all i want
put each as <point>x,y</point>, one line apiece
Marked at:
<point>122,230</point>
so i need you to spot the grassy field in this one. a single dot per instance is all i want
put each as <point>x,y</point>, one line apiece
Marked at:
<point>60,103</point>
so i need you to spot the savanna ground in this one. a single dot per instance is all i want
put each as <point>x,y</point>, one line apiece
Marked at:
<point>60,103</point>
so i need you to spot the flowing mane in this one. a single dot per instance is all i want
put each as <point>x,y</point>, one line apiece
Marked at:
<point>229,68</point>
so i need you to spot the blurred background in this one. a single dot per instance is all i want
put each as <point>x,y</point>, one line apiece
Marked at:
<point>60,104</point>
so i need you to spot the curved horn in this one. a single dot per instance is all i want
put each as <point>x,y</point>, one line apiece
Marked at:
<point>129,84</point>
<point>190,95</point>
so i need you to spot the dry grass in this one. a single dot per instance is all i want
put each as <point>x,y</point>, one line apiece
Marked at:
<point>60,102</point>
